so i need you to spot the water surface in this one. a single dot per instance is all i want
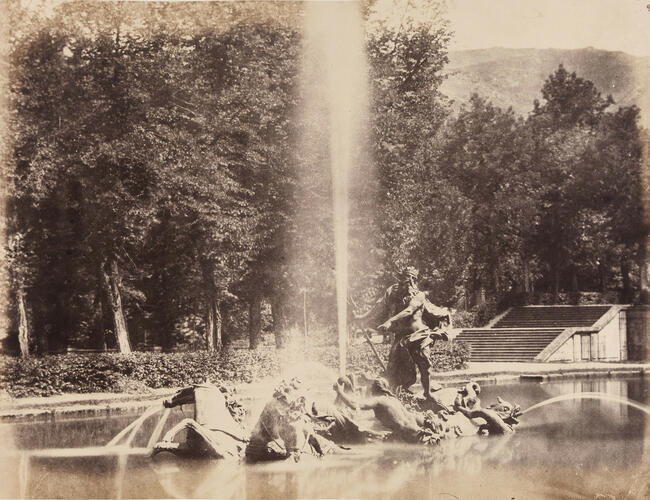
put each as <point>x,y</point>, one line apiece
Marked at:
<point>572,449</point>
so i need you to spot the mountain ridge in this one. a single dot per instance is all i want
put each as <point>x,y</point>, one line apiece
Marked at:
<point>514,77</point>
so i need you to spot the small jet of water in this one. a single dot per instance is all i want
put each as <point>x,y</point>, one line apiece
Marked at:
<point>590,395</point>
<point>132,429</point>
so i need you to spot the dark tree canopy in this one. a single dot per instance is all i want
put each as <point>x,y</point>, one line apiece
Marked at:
<point>168,186</point>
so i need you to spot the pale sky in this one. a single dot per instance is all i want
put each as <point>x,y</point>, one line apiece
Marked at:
<point>566,24</point>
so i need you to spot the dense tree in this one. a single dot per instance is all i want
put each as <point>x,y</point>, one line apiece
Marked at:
<point>486,157</point>
<point>407,113</point>
<point>168,173</point>
<point>588,158</point>
<point>172,146</point>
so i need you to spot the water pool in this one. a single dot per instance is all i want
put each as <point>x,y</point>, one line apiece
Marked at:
<point>571,449</point>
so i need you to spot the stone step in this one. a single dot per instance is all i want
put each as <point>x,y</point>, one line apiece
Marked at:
<point>552,316</point>
<point>508,342</point>
<point>507,349</point>
<point>488,336</point>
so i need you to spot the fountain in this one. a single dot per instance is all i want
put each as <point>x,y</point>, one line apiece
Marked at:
<point>590,395</point>
<point>128,433</point>
<point>334,37</point>
<point>174,476</point>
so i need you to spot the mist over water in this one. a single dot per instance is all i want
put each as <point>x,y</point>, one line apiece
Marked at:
<point>334,49</point>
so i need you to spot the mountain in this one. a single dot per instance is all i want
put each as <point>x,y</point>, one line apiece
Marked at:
<point>514,77</point>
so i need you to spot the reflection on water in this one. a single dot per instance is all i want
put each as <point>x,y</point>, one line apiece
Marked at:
<point>571,449</point>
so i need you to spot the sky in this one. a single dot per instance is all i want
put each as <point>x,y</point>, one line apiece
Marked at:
<point>565,24</point>
<point>616,25</point>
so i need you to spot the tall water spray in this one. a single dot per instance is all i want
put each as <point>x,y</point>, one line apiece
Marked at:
<point>334,33</point>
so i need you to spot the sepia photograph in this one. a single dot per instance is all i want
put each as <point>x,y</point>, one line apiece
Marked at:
<point>325,249</point>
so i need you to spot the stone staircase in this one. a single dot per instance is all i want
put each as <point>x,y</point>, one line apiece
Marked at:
<point>523,332</point>
<point>551,316</point>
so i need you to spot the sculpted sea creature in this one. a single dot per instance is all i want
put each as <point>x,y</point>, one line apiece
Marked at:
<point>461,408</point>
<point>284,428</point>
<point>213,432</point>
<point>287,429</point>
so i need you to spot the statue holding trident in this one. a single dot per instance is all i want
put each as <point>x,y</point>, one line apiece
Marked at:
<point>416,324</point>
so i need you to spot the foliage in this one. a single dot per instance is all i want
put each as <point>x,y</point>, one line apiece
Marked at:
<point>152,154</point>
<point>56,374</point>
<point>588,182</point>
<point>417,212</point>
<point>486,157</point>
<point>447,356</point>
<point>168,178</point>
<point>466,319</point>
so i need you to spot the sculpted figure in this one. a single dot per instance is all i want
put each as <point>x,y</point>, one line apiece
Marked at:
<point>284,429</point>
<point>404,426</point>
<point>394,299</point>
<point>461,409</point>
<point>213,432</point>
<point>338,421</point>
<point>415,324</point>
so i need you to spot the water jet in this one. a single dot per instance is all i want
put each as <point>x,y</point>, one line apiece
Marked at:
<point>334,33</point>
<point>590,395</point>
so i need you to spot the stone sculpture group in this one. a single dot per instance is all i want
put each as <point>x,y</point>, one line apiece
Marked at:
<point>291,426</point>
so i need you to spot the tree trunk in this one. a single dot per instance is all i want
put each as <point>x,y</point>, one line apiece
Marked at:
<point>225,308</point>
<point>98,340</point>
<point>644,283</point>
<point>214,323</point>
<point>602,278</point>
<point>255,322</point>
<point>627,285</point>
<point>556,284</point>
<point>112,283</point>
<point>575,289</point>
<point>218,326</point>
<point>574,281</point>
<point>41,341</point>
<point>479,296</point>
<point>526,271</point>
<point>495,278</point>
<point>23,325</point>
<point>279,323</point>
<point>209,331</point>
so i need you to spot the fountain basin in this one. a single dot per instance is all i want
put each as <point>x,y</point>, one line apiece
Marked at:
<point>576,447</point>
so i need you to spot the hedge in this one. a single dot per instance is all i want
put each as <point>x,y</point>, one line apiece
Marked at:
<point>142,371</point>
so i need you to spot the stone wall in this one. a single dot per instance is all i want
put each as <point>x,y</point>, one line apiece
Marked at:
<point>610,343</point>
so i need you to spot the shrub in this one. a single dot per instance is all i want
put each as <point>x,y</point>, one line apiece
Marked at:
<point>465,319</point>
<point>446,356</point>
<point>141,371</point>
<point>485,312</point>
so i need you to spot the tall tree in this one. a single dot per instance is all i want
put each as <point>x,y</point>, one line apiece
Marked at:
<point>407,112</point>
<point>588,157</point>
<point>485,157</point>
